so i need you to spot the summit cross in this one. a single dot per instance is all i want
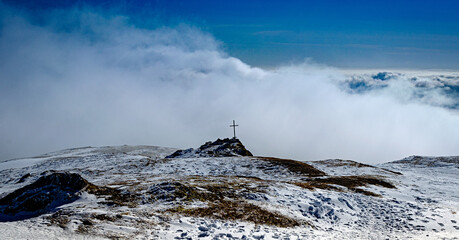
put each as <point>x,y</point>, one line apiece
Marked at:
<point>234,128</point>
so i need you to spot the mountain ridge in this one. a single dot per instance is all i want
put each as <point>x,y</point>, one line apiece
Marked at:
<point>137,192</point>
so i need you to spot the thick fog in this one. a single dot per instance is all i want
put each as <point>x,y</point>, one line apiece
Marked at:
<point>80,78</point>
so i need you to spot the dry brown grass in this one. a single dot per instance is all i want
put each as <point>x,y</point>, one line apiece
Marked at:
<point>240,211</point>
<point>365,192</point>
<point>350,182</point>
<point>59,218</point>
<point>340,163</point>
<point>198,188</point>
<point>113,196</point>
<point>354,181</point>
<point>171,191</point>
<point>251,178</point>
<point>316,185</point>
<point>104,217</point>
<point>226,200</point>
<point>294,166</point>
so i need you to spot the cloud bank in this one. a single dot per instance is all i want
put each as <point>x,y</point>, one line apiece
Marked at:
<point>83,78</point>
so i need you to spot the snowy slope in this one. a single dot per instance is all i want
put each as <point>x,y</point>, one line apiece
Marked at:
<point>239,197</point>
<point>423,161</point>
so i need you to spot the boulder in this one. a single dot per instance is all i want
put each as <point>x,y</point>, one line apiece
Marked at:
<point>47,193</point>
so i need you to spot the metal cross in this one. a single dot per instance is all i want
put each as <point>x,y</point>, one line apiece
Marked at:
<point>234,128</point>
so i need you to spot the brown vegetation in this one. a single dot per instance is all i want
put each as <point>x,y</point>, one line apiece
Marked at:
<point>354,181</point>
<point>205,189</point>
<point>59,218</point>
<point>340,163</point>
<point>226,198</point>
<point>314,185</point>
<point>294,166</point>
<point>113,196</point>
<point>171,191</point>
<point>350,182</point>
<point>239,210</point>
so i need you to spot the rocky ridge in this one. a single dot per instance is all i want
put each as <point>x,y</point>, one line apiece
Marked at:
<point>227,147</point>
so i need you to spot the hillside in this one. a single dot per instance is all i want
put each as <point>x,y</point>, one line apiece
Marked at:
<point>221,191</point>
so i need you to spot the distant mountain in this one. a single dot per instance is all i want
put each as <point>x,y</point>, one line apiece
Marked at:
<point>430,161</point>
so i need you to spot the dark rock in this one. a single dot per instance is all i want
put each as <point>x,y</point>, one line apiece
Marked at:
<point>179,153</point>
<point>23,178</point>
<point>254,196</point>
<point>203,228</point>
<point>203,234</point>
<point>87,222</point>
<point>258,236</point>
<point>43,195</point>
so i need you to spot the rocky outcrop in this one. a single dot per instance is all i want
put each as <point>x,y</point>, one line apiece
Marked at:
<point>227,147</point>
<point>45,194</point>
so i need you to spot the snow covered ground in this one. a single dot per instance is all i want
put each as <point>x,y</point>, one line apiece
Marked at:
<point>230,197</point>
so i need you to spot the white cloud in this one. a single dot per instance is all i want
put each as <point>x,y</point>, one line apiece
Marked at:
<point>105,82</point>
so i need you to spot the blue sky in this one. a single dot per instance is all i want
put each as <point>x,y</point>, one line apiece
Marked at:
<point>350,34</point>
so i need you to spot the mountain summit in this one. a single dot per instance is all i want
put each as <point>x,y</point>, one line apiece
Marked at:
<point>228,147</point>
<point>134,192</point>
